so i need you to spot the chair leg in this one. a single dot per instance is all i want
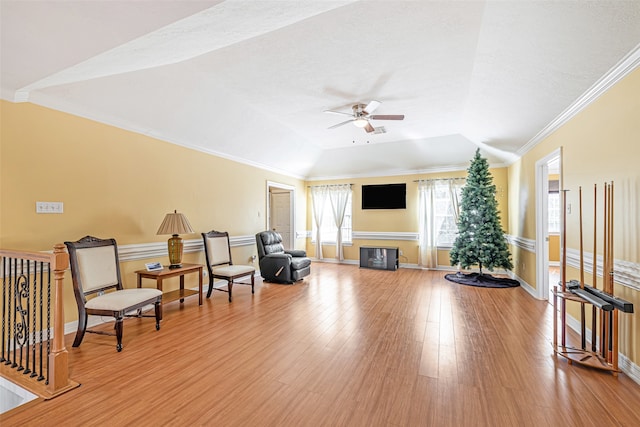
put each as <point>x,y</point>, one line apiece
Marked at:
<point>230,282</point>
<point>118,327</point>
<point>82,327</point>
<point>210,286</point>
<point>252,283</point>
<point>158,307</point>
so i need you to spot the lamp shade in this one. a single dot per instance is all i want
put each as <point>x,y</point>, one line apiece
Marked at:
<point>175,223</point>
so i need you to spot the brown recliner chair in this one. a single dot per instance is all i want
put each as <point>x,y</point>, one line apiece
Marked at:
<point>276,263</point>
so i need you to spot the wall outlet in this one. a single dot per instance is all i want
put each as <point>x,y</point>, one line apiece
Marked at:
<point>49,207</point>
<point>400,252</point>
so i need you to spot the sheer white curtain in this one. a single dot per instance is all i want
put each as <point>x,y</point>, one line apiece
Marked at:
<point>339,196</point>
<point>318,200</point>
<point>428,250</point>
<point>438,211</point>
<point>454,190</point>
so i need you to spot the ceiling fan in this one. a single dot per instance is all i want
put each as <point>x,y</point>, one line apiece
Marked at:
<point>361,115</point>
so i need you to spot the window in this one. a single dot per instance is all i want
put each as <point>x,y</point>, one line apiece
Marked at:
<point>438,204</point>
<point>329,230</point>
<point>446,225</point>
<point>554,212</point>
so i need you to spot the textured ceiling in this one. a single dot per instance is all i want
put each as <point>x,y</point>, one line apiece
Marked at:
<point>249,80</point>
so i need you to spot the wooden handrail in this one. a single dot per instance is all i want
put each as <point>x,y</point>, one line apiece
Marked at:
<point>31,255</point>
<point>58,369</point>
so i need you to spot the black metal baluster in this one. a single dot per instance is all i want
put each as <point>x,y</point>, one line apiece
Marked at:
<point>4,307</point>
<point>34,295</point>
<point>15,315</point>
<point>10,285</point>
<point>21,327</point>
<point>26,296</point>
<point>48,321</point>
<point>41,377</point>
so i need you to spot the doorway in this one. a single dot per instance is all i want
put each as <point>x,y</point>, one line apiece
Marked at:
<point>548,166</point>
<point>280,211</point>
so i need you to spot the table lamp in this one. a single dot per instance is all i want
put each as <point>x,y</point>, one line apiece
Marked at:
<point>175,223</point>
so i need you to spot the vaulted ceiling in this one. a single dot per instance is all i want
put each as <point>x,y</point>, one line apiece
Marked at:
<point>250,80</point>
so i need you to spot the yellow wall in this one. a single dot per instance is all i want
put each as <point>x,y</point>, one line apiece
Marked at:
<point>398,220</point>
<point>601,144</point>
<point>120,184</point>
<point>554,247</point>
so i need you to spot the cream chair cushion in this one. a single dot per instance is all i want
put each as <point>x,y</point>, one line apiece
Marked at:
<point>232,270</point>
<point>120,300</point>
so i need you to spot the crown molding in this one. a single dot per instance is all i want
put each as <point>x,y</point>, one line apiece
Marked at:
<point>619,71</point>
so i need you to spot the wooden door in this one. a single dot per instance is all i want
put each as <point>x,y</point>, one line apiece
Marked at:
<point>281,215</point>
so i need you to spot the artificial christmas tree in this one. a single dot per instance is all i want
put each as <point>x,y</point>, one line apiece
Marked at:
<point>480,239</point>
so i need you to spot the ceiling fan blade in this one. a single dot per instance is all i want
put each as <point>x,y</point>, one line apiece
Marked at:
<point>340,124</point>
<point>387,117</point>
<point>369,128</point>
<point>371,106</point>
<point>338,112</point>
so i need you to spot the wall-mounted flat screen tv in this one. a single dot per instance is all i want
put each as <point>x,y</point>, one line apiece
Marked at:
<point>384,196</point>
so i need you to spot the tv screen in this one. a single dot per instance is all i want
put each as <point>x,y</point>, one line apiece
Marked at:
<point>384,196</point>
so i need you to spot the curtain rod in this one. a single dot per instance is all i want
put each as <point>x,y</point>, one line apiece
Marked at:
<point>441,179</point>
<point>328,185</point>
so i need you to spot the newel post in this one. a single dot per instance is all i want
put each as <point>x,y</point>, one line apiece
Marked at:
<point>58,358</point>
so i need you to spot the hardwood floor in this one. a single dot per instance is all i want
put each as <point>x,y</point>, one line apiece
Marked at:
<point>345,347</point>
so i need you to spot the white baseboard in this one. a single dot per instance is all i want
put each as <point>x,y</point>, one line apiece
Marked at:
<point>454,268</point>
<point>629,368</point>
<point>527,287</point>
<point>335,261</point>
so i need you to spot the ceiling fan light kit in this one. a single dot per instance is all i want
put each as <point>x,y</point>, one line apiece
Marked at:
<point>361,116</point>
<point>360,122</point>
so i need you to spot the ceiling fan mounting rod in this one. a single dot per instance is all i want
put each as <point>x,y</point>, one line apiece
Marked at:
<point>358,110</point>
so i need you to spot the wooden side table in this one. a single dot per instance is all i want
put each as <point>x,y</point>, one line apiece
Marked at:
<point>167,273</point>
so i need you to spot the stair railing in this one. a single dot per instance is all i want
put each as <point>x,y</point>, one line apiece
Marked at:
<point>33,354</point>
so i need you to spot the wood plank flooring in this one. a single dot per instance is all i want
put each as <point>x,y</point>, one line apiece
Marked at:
<point>345,347</point>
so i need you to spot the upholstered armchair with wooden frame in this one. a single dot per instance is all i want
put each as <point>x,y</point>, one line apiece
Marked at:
<point>97,285</point>
<point>217,250</point>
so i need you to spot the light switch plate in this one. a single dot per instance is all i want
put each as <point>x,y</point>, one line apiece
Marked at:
<point>50,207</point>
